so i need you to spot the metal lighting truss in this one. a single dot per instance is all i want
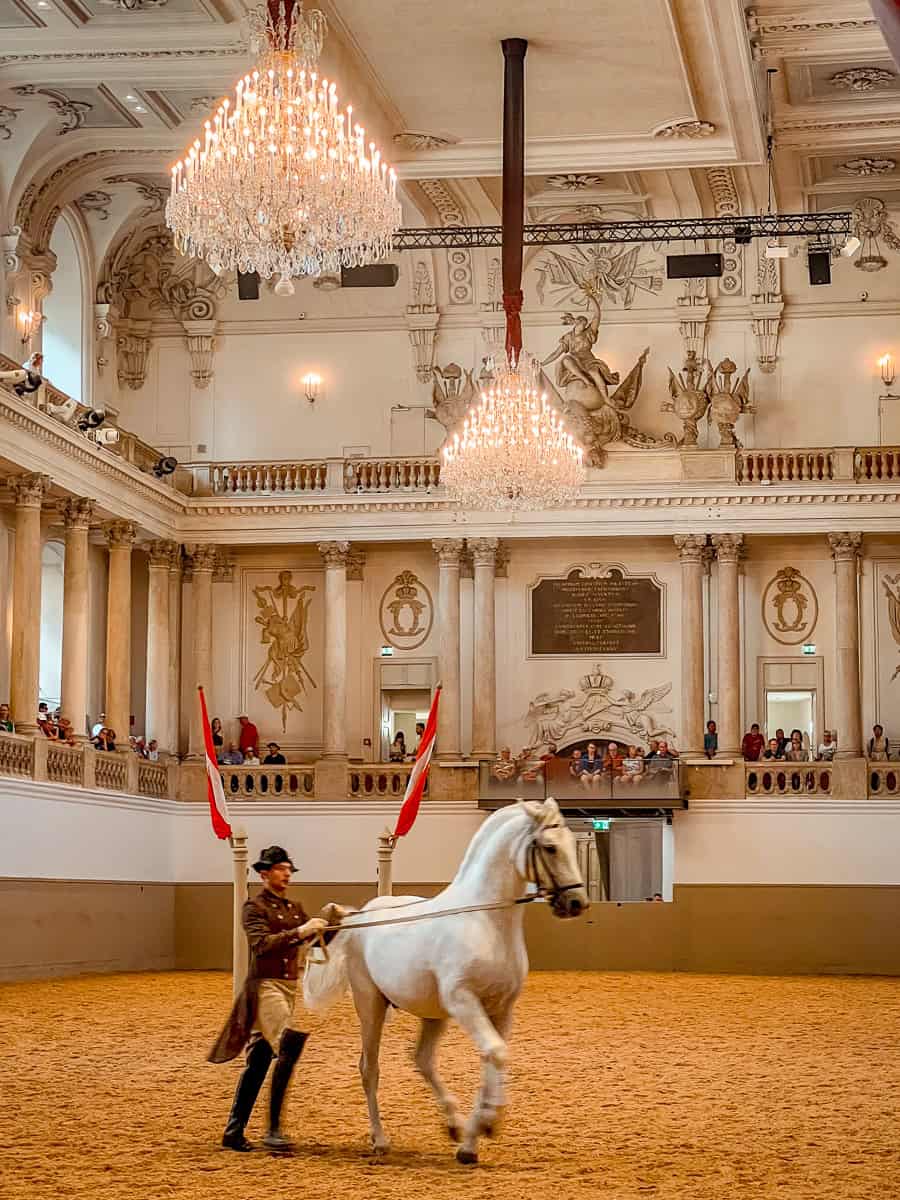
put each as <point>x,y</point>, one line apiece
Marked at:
<point>820,226</point>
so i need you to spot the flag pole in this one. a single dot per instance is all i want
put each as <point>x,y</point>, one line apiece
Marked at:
<point>386,843</point>
<point>239,950</point>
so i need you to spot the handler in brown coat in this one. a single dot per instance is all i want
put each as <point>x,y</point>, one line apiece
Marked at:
<point>276,928</point>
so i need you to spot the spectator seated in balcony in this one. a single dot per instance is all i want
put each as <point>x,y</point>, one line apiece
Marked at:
<point>218,737</point>
<point>879,747</point>
<point>783,742</point>
<point>827,747</point>
<point>575,764</point>
<point>420,733</point>
<point>105,739</point>
<point>771,750</point>
<point>397,752</point>
<point>65,732</point>
<point>249,736</point>
<point>233,757</point>
<point>531,770</point>
<point>665,756</point>
<point>6,721</point>
<point>752,744</point>
<point>251,758</point>
<point>153,750</point>
<point>711,740</point>
<point>505,767</point>
<point>138,746</point>
<point>796,751</point>
<point>274,758</point>
<point>591,768</point>
<point>633,766</point>
<point>98,725</point>
<point>613,760</point>
<point>652,749</point>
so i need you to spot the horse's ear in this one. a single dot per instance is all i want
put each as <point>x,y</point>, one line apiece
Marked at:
<point>534,808</point>
<point>551,808</point>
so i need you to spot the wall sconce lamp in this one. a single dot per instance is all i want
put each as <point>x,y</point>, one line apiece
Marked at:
<point>888,372</point>
<point>29,323</point>
<point>311,386</point>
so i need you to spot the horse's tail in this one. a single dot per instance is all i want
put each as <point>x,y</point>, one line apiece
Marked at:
<point>325,981</point>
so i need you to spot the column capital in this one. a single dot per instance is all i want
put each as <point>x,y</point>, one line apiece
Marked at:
<point>448,550</point>
<point>335,554</point>
<point>692,547</point>
<point>120,535</point>
<point>77,513</point>
<point>203,558</point>
<point>484,551</point>
<point>223,572</point>
<point>729,547</point>
<point>29,490</point>
<point>176,561</point>
<point>160,552</point>
<point>845,547</point>
<point>356,563</point>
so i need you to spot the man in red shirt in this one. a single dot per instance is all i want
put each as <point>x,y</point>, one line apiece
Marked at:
<point>752,745</point>
<point>249,739</point>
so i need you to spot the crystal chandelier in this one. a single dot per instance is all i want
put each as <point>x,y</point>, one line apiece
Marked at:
<point>283,182</point>
<point>513,451</point>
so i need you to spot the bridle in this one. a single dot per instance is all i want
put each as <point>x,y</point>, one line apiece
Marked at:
<point>537,854</point>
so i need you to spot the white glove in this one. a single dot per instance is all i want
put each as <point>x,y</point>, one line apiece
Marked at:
<point>312,927</point>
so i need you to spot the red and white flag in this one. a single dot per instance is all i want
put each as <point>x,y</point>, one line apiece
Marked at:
<point>218,805</point>
<point>417,776</point>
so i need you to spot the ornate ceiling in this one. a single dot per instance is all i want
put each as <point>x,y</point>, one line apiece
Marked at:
<point>635,107</point>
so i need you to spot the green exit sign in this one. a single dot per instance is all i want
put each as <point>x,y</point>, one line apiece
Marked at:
<point>601,825</point>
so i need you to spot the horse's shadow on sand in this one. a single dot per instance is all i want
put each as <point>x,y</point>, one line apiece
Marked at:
<point>353,1152</point>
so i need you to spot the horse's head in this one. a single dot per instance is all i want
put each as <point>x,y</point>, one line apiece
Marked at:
<point>551,860</point>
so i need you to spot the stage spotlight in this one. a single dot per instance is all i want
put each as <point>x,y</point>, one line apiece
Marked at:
<point>106,437</point>
<point>92,419</point>
<point>165,466</point>
<point>773,250</point>
<point>742,235</point>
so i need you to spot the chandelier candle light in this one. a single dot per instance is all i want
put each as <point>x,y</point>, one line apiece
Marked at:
<point>513,451</point>
<point>283,183</point>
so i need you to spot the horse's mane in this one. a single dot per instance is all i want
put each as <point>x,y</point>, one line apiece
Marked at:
<point>501,817</point>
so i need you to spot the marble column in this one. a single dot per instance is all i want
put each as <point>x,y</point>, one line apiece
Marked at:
<point>159,633</point>
<point>203,560</point>
<point>120,537</point>
<point>77,515</point>
<point>28,492</point>
<point>334,708</point>
<point>692,556</point>
<point>484,690</point>
<point>449,552</point>
<point>729,548</point>
<point>845,550</point>
<point>173,708</point>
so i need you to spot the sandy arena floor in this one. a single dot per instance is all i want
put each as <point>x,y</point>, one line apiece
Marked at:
<point>625,1086</point>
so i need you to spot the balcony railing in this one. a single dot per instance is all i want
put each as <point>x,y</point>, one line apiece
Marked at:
<point>37,757</point>
<point>257,783</point>
<point>789,779</point>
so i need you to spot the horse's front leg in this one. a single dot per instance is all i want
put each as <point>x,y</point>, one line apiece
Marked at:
<point>468,1011</point>
<point>371,1007</point>
<point>426,1047</point>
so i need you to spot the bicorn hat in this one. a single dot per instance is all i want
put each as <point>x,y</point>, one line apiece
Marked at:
<point>271,856</point>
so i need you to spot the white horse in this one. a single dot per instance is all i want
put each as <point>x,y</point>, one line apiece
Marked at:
<point>470,966</point>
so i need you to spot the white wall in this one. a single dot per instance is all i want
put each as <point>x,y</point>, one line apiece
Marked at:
<point>64,328</point>
<point>50,672</point>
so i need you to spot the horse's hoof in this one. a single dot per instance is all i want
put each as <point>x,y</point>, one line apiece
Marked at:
<point>467,1157</point>
<point>455,1133</point>
<point>380,1149</point>
<point>488,1130</point>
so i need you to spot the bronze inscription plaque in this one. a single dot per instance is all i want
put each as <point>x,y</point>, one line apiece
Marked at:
<point>585,615</point>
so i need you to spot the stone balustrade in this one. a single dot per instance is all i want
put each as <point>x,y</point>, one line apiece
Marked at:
<point>789,779</point>
<point>46,761</point>
<point>379,780</point>
<point>256,783</point>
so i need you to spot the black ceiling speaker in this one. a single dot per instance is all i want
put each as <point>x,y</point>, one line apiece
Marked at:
<point>693,266</point>
<point>819,266</point>
<point>248,285</point>
<point>375,275</point>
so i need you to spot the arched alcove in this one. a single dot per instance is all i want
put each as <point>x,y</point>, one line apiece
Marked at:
<point>52,565</point>
<point>63,332</point>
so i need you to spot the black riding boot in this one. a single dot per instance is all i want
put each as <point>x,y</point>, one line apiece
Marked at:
<point>251,1080</point>
<point>292,1043</point>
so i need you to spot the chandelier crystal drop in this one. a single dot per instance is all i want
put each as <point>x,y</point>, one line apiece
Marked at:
<point>513,451</point>
<point>283,182</point>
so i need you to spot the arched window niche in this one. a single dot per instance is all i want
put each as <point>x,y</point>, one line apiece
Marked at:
<point>64,314</point>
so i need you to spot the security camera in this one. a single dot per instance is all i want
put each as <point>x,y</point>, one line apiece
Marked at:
<point>106,437</point>
<point>165,466</point>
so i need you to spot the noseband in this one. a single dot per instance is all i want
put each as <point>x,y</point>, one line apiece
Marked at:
<point>537,854</point>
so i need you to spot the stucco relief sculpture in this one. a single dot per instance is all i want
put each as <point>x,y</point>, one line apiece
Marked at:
<point>562,717</point>
<point>790,607</point>
<point>406,612</point>
<point>454,390</point>
<point>892,590</point>
<point>718,394</point>
<point>284,617</point>
<point>870,223</point>
<point>689,398</point>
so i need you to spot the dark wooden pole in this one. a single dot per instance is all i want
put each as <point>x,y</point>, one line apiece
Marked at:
<point>513,189</point>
